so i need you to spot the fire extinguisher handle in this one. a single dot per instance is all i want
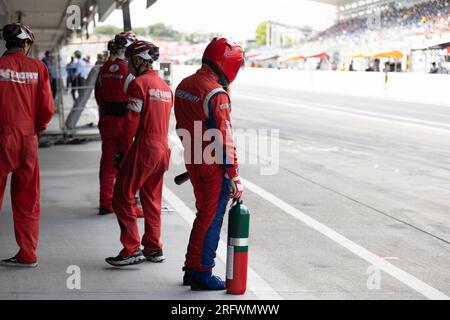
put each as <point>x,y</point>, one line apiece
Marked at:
<point>235,201</point>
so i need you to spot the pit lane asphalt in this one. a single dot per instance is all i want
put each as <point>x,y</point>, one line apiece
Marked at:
<point>376,171</point>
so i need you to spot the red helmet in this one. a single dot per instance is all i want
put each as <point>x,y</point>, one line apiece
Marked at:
<point>124,39</point>
<point>225,57</point>
<point>17,31</point>
<point>143,49</point>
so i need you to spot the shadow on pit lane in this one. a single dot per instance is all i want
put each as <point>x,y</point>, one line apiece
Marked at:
<point>120,269</point>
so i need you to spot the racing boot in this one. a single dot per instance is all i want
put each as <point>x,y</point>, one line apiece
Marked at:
<point>206,281</point>
<point>187,278</point>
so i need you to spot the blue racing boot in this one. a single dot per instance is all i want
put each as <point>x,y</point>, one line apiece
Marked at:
<point>206,281</point>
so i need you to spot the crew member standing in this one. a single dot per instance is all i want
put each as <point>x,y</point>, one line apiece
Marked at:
<point>202,105</point>
<point>112,101</point>
<point>145,160</point>
<point>26,108</point>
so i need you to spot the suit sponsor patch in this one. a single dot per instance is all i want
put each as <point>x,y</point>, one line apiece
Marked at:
<point>187,96</point>
<point>160,95</point>
<point>19,77</point>
<point>114,68</point>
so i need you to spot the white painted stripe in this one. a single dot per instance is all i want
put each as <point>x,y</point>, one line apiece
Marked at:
<point>256,284</point>
<point>349,111</point>
<point>363,253</point>
<point>209,97</point>
<point>238,242</point>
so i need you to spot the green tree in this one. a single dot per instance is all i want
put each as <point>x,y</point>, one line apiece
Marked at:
<point>261,33</point>
<point>160,30</point>
<point>140,31</point>
<point>107,29</point>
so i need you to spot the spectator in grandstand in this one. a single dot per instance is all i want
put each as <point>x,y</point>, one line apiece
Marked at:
<point>428,16</point>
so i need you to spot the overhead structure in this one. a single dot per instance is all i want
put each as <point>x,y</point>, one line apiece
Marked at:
<point>395,54</point>
<point>281,35</point>
<point>291,57</point>
<point>392,54</point>
<point>53,21</point>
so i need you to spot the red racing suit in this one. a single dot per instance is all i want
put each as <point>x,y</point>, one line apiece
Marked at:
<point>202,106</point>
<point>112,101</point>
<point>150,103</point>
<point>26,108</point>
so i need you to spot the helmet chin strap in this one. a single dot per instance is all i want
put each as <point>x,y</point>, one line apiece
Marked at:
<point>121,54</point>
<point>29,49</point>
<point>137,68</point>
<point>221,78</point>
<point>118,56</point>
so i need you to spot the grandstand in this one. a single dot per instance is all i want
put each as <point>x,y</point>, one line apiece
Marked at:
<point>366,27</point>
<point>412,16</point>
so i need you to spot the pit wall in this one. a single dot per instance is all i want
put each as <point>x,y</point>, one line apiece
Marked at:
<point>408,87</point>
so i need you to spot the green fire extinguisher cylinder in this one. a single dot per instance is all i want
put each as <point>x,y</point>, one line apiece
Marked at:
<point>237,253</point>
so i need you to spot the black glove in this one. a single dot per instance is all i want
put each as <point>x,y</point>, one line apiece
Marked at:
<point>118,158</point>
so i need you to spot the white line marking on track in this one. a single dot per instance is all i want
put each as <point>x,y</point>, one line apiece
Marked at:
<point>352,112</point>
<point>256,284</point>
<point>363,253</point>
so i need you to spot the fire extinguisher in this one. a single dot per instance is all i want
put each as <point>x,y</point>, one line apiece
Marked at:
<point>237,255</point>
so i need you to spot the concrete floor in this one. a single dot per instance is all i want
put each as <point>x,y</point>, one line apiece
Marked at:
<point>374,171</point>
<point>72,234</point>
